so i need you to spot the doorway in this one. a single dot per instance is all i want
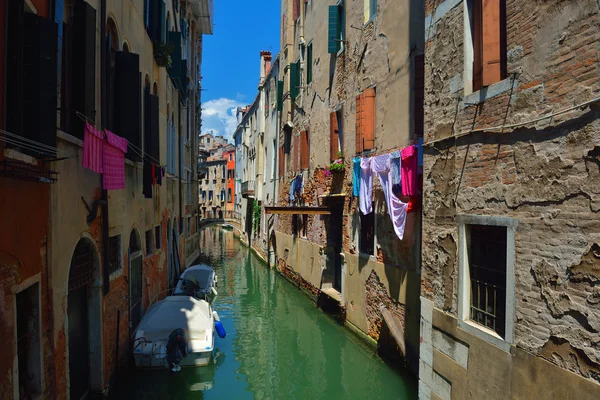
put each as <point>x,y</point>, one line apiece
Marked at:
<point>334,242</point>
<point>135,280</point>
<point>84,321</point>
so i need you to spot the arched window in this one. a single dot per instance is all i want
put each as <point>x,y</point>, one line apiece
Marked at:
<point>155,89</point>
<point>146,110</point>
<point>112,46</point>
<point>168,21</point>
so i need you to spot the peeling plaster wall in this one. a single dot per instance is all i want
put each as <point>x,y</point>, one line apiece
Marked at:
<point>379,53</point>
<point>544,175</point>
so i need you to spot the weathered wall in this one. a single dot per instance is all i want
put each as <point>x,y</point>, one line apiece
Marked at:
<point>544,175</point>
<point>23,262</point>
<point>377,54</point>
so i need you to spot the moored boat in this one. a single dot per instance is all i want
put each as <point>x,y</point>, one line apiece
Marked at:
<point>198,281</point>
<point>196,321</point>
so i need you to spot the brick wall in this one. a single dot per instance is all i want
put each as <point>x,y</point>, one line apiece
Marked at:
<point>544,174</point>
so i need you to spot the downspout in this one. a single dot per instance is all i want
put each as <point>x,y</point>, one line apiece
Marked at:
<point>105,225</point>
<point>180,226</point>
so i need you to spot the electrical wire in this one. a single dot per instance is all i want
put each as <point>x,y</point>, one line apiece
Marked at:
<point>32,145</point>
<point>512,126</point>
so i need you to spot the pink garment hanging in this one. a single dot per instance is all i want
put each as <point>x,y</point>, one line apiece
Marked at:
<point>92,148</point>
<point>113,156</point>
<point>396,208</point>
<point>366,187</point>
<point>409,171</point>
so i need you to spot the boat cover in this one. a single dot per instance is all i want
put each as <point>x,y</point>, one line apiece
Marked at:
<point>191,315</point>
<point>202,275</point>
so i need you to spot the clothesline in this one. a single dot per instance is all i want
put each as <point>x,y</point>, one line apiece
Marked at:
<point>376,152</point>
<point>32,145</point>
<point>133,147</point>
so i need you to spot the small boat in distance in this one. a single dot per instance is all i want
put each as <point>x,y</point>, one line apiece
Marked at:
<point>227,227</point>
<point>198,281</point>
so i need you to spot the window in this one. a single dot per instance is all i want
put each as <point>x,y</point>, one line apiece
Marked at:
<point>273,160</point>
<point>304,225</point>
<point>158,236</point>
<point>210,195</point>
<point>304,150</point>
<point>309,64</point>
<point>229,195</point>
<point>335,135</point>
<point>487,43</point>
<point>189,226</point>
<point>486,278</point>
<point>204,195</point>
<point>222,194</point>
<point>149,242</point>
<point>337,29</point>
<point>296,10</point>
<point>112,44</point>
<point>264,171</point>
<point>208,140</point>
<point>366,241</point>
<point>365,120</point>
<point>486,252</point>
<point>114,249</point>
<point>28,342</point>
<point>230,157</point>
<point>147,13</point>
<point>419,96</point>
<point>370,9</point>
<point>279,95</point>
<point>295,79</point>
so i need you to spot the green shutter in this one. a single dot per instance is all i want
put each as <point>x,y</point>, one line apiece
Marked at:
<point>309,64</point>
<point>279,95</point>
<point>333,35</point>
<point>163,22</point>
<point>294,80</point>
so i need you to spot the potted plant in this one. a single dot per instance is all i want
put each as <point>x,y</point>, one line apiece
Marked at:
<point>336,170</point>
<point>162,54</point>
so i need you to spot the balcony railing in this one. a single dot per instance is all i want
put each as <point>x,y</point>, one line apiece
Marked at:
<point>248,188</point>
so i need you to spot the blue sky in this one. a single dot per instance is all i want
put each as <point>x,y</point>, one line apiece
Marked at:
<point>231,59</point>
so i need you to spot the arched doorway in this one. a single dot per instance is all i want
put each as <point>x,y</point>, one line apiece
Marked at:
<point>135,280</point>
<point>84,321</point>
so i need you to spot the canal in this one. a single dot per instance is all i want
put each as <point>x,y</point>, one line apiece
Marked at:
<point>278,344</point>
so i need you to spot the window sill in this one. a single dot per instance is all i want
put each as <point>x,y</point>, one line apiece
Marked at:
<point>18,156</point>
<point>484,334</point>
<point>490,92</point>
<point>69,138</point>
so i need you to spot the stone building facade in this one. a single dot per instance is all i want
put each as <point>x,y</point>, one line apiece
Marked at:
<point>333,54</point>
<point>92,261</point>
<point>510,252</point>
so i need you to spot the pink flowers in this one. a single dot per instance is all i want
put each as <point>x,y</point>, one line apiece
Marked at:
<point>336,166</point>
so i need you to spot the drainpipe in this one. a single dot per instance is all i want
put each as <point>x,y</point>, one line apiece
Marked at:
<point>180,182</point>
<point>103,73</point>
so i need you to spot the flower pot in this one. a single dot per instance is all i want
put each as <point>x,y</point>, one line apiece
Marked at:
<point>337,182</point>
<point>161,60</point>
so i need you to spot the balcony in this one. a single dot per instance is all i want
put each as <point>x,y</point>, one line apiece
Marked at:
<point>248,189</point>
<point>204,10</point>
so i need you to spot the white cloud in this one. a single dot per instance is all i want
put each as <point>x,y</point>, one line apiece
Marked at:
<point>218,117</point>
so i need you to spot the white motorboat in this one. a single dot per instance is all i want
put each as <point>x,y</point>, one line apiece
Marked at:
<point>199,281</point>
<point>194,316</point>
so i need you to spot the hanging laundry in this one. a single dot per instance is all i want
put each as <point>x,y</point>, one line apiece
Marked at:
<point>298,187</point>
<point>154,174</point>
<point>92,148</point>
<point>366,187</point>
<point>395,165</point>
<point>147,180</point>
<point>356,176</point>
<point>409,171</point>
<point>292,190</point>
<point>113,158</point>
<point>396,208</point>
<point>161,172</point>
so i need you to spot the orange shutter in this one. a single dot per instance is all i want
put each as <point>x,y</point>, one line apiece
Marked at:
<point>359,141</point>
<point>304,150</point>
<point>296,10</point>
<point>368,129</point>
<point>492,71</point>
<point>477,45</point>
<point>333,136</point>
<point>281,162</point>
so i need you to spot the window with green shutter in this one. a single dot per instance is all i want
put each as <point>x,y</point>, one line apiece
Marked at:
<point>333,45</point>
<point>279,95</point>
<point>295,79</point>
<point>309,64</point>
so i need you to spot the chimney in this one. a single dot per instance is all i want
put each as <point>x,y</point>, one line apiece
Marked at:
<point>265,64</point>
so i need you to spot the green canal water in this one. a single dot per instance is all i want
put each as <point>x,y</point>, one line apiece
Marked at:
<point>278,344</point>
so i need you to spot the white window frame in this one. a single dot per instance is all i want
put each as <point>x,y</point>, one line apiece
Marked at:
<point>464,282</point>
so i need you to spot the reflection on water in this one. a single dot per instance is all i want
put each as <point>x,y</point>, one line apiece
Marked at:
<point>278,345</point>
